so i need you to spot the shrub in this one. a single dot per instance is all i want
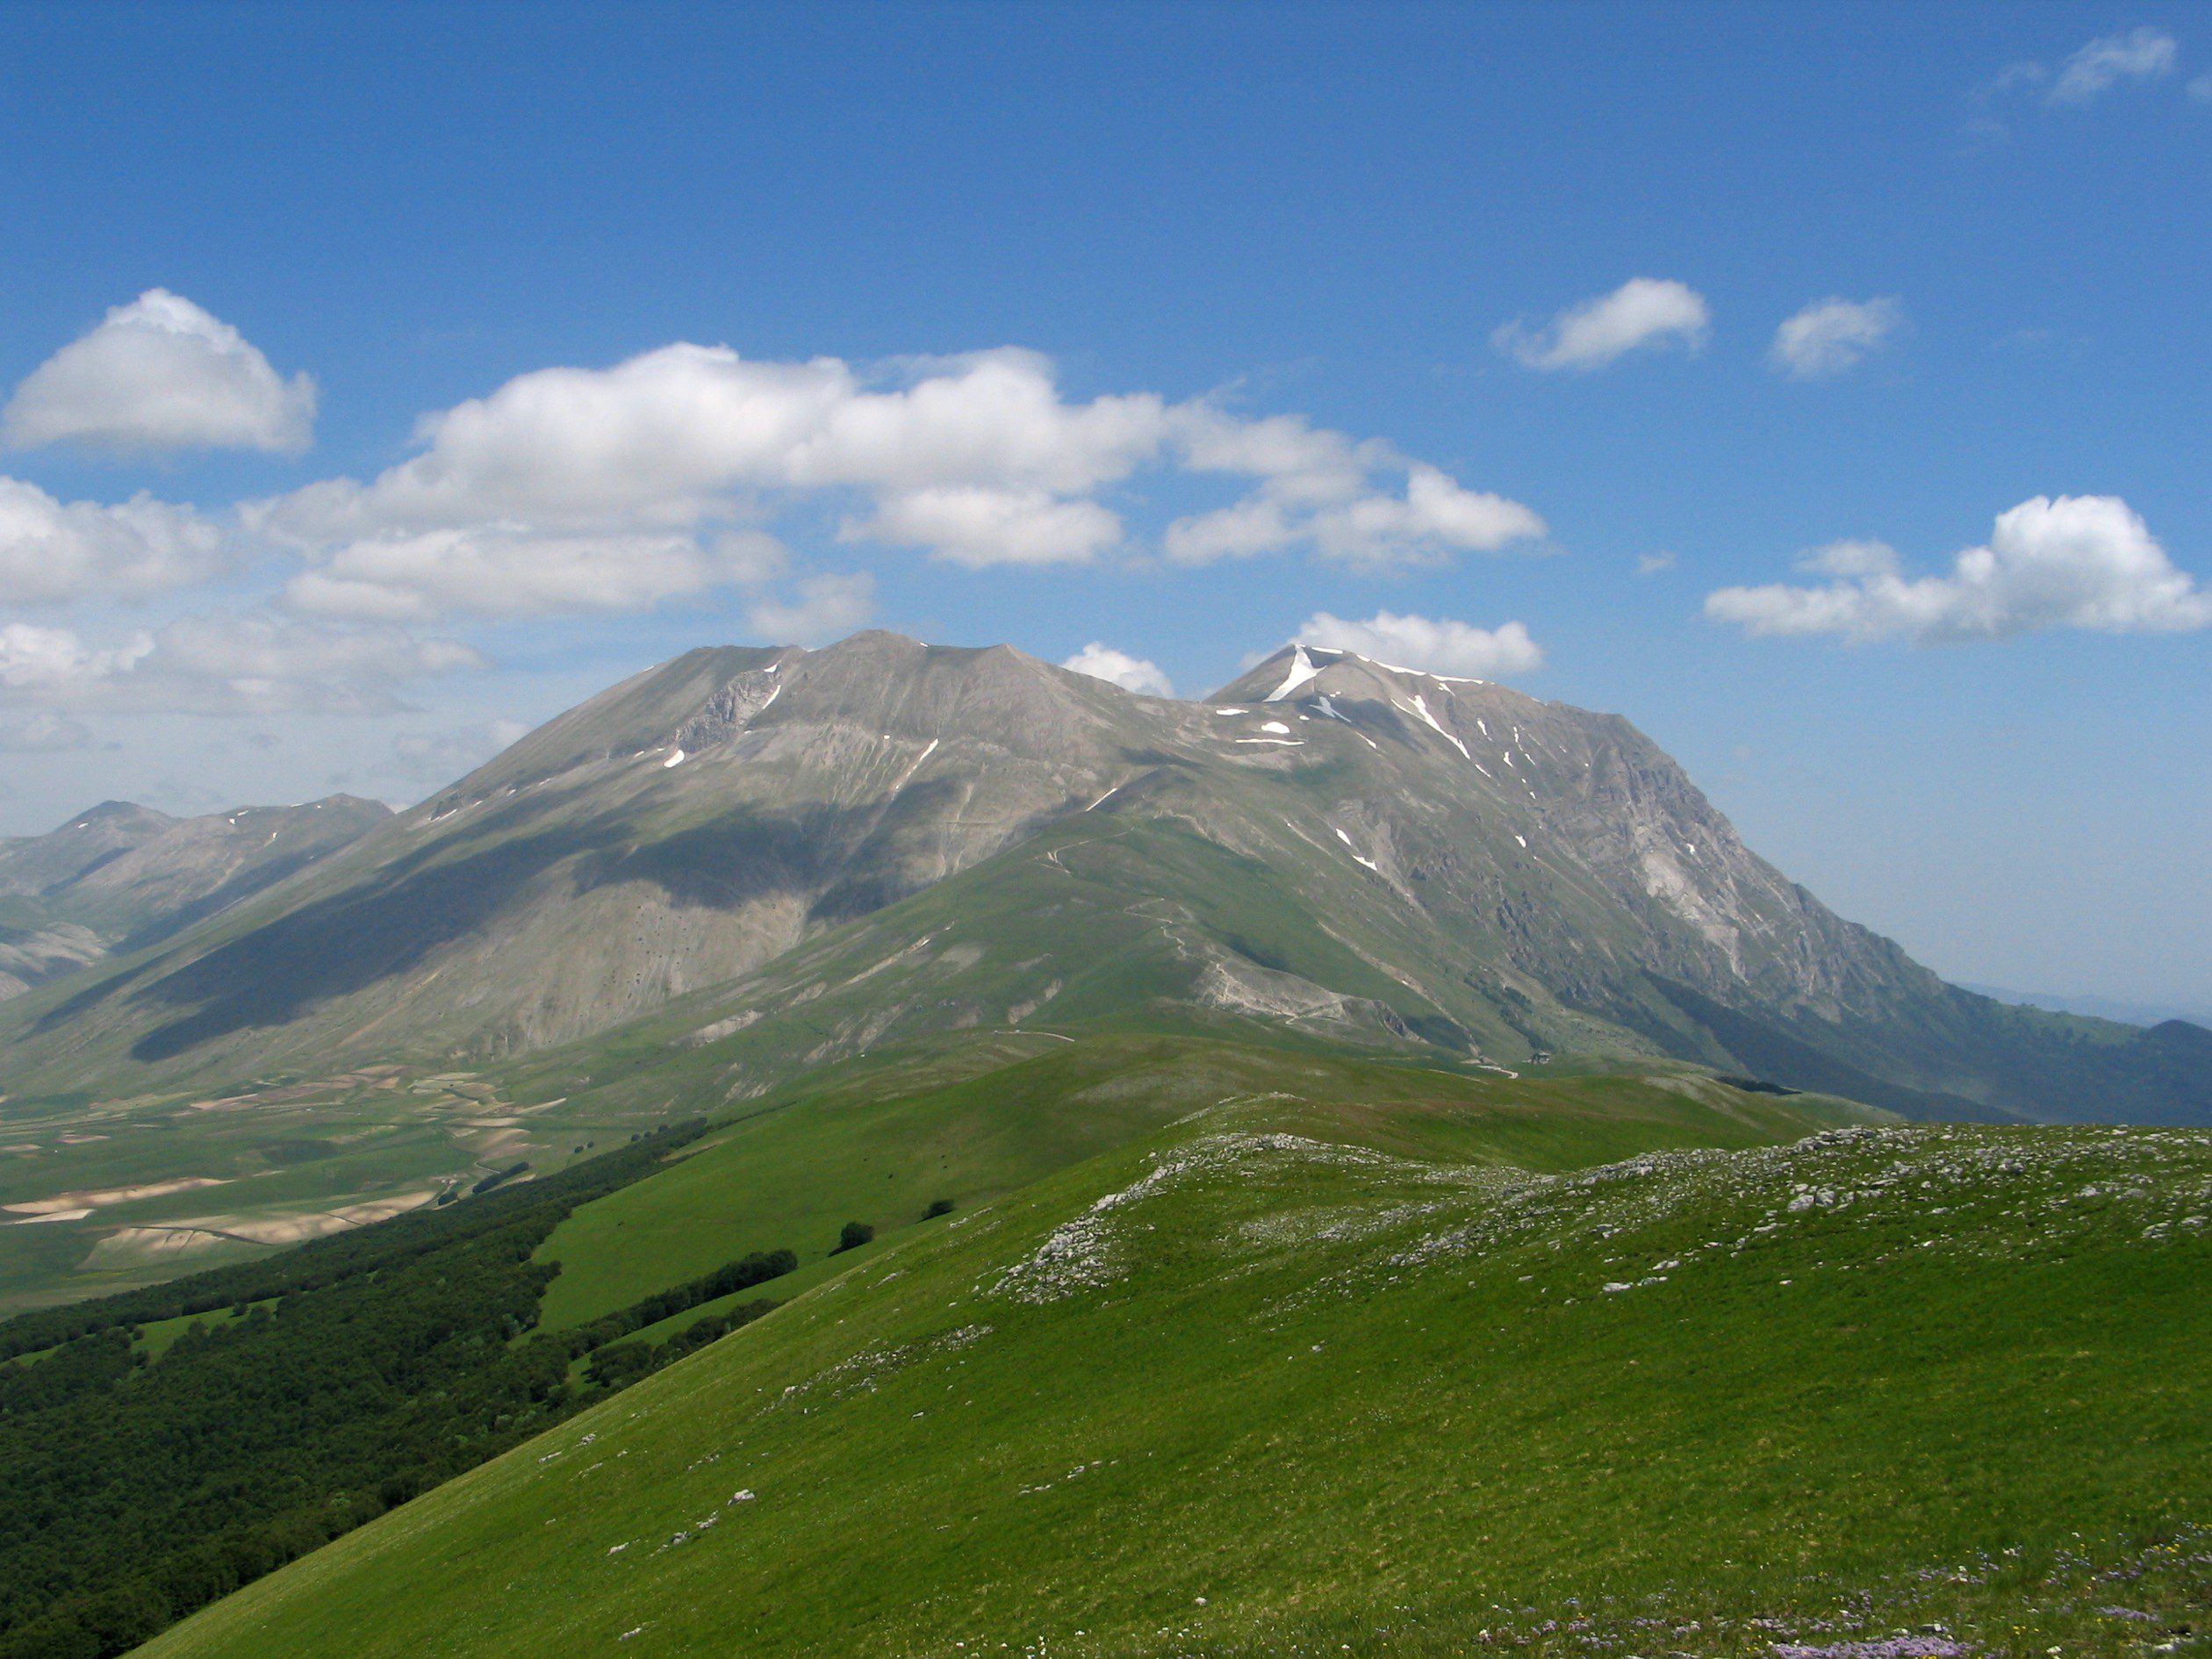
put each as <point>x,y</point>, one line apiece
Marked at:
<point>855,1234</point>
<point>498,1176</point>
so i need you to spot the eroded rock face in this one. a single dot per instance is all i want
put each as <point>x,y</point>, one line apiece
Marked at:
<point>1569,833</point>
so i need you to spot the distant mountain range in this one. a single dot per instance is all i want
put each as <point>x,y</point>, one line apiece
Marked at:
<point>746,863</point>
<point>123,876</point>
<point>2103,1008</point>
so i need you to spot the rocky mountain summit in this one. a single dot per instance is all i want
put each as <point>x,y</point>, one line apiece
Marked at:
<point>760,859</point>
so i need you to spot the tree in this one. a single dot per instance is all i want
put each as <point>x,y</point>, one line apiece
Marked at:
<point>856,1233</point>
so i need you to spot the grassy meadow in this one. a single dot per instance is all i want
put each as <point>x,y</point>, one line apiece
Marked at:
<point>1587,1365</point>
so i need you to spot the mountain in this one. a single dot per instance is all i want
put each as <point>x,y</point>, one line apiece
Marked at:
<point>746,863</point>
<point>1353,1165</point>
<point>2103,1008</point>
<point>122,876</point>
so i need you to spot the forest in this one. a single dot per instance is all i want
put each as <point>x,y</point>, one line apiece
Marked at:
<point>307,1393</point>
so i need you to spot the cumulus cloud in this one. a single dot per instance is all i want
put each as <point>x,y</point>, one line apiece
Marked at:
<point>1643,312</point>
<point>52,551</point>
<point>161,374</point>
<point>976,457</point>
<point>618,489</point>
<point>975,525</point>
<point>1102,661</point>
<point>1319,489</point>
<point>824,608</point>
<point>1438,645</point>
<point>2084,562</point>
<point>37,661</point>
<point>2139,54</point>
<point>1831,335</point>
<point>438,756</point>
<point>240,665</point>
<point>507,570</point>
<point>42,733</point>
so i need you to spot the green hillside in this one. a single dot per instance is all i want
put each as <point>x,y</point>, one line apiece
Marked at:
<point>147,1466</point>
<point>1307,1373</point>
<point>879,1150</point>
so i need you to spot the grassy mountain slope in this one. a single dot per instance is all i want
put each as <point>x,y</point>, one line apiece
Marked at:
<point>878,1150</point>
<point>680,829</point>
<point>1125,920</point>
<point>1307,1375</point>
<point>169,1466</point>
<point>711,882</point>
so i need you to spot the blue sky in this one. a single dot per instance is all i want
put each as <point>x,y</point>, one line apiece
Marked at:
<point>1237,317</point>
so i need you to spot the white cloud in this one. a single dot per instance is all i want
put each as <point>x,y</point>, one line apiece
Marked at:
<point>160,373</point>
<point>506,570</point>
<point>37,661</point>
<point>1644,312</point>
<point>2140,54</point>
<point>1102,661</point>
<point>2076,561</point>
<point>599,490</point>
<point>52,551</point>
<point>666,438</point>
<point>826,607</point>
<point>1851,558</point>
<point>437,757</point>
<point>1305,462</point>
<point>1438,645</point>
<point>1319,489</point>
<point>1434,517</point>
<point>974,526</point>
<point>1831,335</point>
<point>241,665</point>
<point>1653,564</point>
<point>1256,525</point>
<point>2201,88</point>
<point>42,733</point>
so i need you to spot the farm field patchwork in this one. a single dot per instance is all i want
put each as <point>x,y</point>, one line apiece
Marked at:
<point>100,1196</point>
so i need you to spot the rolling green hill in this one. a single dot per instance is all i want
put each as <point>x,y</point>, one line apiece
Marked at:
<point>879,1150</point>
<point>338,1378</point>
<point>1297,1373</point>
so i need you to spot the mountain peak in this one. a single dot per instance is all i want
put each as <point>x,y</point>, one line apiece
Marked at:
<point>123,812</point>
<point>1322,676</point>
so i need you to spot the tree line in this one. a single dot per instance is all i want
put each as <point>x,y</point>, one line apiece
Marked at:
<point>355,1372</point>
